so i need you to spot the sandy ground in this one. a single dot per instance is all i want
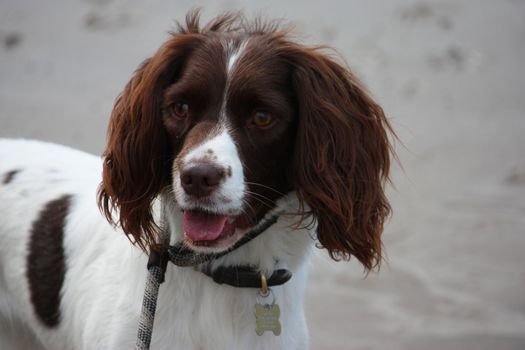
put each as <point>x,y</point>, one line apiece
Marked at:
<point>449,74</point>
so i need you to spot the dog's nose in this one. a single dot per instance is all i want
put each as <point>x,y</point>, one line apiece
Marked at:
<point>201,180</point>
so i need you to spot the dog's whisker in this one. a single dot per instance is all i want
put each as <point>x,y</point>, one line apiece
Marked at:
<point>261,199</point>
<point>266,187</point>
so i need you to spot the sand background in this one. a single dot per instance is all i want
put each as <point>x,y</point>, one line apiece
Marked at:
<point>448,73</point>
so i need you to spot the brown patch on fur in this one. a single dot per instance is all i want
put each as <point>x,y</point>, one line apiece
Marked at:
<point>9,176</point>
<point>46,262</point>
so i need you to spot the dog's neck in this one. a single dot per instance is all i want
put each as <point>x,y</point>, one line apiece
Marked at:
<point>207,305</point>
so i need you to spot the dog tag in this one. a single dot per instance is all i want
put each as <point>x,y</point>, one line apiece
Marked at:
<point>267,318</point>
<point>266,313</point>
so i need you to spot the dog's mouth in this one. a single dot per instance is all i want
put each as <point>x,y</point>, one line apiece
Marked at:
<point>204,230</point>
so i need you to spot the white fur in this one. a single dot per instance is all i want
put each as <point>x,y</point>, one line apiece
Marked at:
<point>232,56</point>
<point>105,274</point>
<point>221,151</point>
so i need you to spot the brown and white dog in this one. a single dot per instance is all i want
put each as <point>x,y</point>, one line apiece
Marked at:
<point>223,126</point>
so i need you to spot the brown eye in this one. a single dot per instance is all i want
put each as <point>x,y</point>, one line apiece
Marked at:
<point>181,109</point>
<point>262,119</point>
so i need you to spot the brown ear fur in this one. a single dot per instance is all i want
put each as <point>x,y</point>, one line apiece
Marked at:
<point>138,154</point>
<point>342,158</point>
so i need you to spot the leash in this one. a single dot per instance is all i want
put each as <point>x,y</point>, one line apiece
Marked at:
<point>157,264</point>
<point>180,255</point>
<point>156,270</point>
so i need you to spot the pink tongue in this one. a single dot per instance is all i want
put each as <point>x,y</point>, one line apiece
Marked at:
<point>201,226</point>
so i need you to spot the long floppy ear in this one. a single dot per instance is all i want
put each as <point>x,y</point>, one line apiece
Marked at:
<point>342,158</point>
<point>138,155</point>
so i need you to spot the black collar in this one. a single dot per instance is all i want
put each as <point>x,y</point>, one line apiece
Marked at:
<point>242,276</point>
<point>245,276</point>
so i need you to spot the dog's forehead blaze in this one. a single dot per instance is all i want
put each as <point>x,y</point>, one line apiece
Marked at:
<point>208,72</point>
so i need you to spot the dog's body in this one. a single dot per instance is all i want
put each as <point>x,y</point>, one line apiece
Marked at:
<point>105,275</point>
<point>222,127</point>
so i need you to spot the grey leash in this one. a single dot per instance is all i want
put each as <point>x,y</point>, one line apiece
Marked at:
<point>149,305</point>
<point>157,264</point>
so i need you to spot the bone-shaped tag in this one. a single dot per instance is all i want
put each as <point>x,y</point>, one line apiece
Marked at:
<point>267,318</point>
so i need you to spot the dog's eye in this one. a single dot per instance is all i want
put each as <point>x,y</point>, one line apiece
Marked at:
<point>262,119</point>
<point>181,109</point>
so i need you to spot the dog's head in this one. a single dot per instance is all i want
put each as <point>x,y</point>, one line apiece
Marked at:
<point>229,118</point>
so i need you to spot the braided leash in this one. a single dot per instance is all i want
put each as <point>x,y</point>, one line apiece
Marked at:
<point>149,306</point>
<point>157,264</point>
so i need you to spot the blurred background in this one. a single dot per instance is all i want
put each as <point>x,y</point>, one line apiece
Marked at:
<point>448,73</point>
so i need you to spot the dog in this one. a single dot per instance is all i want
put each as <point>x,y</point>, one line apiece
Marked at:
<point>228,127</point>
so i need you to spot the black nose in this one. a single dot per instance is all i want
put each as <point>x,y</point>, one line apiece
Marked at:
<point>201,180</point>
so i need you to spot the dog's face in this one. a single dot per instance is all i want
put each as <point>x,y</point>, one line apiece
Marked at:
<point>229,119</point>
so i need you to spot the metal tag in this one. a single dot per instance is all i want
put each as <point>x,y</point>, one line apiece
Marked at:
<point>267,318</point>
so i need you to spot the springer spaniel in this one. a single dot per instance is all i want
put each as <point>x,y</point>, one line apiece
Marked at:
<point>227,127</point>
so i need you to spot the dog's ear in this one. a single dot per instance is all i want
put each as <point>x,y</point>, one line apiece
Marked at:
<point>138,155</point>
<point>342,157</point>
